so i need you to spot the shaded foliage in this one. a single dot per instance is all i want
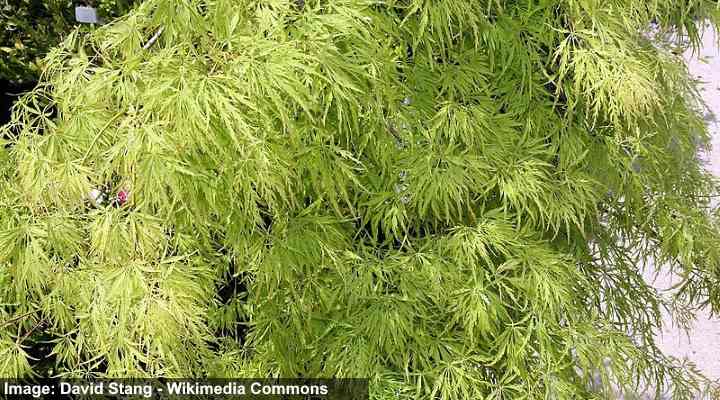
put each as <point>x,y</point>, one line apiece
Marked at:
<point>29,28</point>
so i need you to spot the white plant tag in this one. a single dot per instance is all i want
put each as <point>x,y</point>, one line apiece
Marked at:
<point>86,15</point>
<point>96,197</point>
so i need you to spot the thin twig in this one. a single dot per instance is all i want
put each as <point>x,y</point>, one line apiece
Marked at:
<point>154,38</point>
<point>11,320</point>
<point>393,131</point>
<point>25,336</point>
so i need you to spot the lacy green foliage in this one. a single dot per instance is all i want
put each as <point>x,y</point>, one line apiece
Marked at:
<point>29,28</point>
<point>452,198</point>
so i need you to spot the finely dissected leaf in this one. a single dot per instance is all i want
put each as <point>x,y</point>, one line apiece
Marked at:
<point>454,199</point>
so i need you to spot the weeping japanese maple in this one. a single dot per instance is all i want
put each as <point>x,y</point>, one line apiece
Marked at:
<point>455,199</point>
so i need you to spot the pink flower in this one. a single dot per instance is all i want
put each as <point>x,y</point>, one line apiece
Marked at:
<point>122,197</point>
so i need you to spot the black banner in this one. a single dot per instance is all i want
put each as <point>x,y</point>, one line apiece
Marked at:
<point>260,389</point>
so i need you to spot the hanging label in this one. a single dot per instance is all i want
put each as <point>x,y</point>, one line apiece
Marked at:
<point>86,15</point>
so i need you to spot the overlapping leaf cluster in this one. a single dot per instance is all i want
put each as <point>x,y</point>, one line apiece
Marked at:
<point>452,198</point>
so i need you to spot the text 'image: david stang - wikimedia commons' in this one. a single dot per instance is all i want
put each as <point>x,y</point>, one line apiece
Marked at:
<point>346,389</point>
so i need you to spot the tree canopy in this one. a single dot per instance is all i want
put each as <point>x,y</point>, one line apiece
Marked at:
<point>455,199</point>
